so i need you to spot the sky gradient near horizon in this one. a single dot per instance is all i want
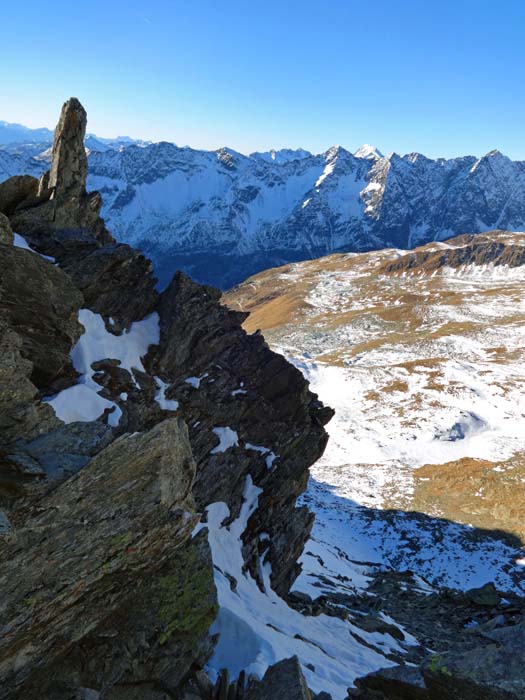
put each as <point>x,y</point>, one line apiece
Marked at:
<point>445,77</point>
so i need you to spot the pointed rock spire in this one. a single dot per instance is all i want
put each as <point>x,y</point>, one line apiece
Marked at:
<point>69,166</point>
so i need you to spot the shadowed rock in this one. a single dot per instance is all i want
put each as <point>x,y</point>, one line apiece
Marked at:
<point>282,680</point>
<point>6,234</point>
<point>16,191</point>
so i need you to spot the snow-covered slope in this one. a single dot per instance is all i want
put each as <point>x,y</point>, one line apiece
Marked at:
<point>221,215</point>
<point>421,356</point>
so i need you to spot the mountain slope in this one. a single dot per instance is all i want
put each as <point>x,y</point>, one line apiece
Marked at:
<point>421,355</point>
<point>222,216</point>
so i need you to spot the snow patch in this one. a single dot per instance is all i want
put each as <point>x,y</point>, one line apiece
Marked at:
<point>227,438</point>
<point>20,242</point>
<point>160,396</point>
<point>195,382</point>
<point>83,402</point>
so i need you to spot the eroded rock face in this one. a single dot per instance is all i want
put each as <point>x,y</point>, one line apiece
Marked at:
<point>42,306</point>
<point>254,392</point>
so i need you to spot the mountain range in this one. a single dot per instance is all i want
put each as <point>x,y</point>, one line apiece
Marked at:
<point>221,215</point>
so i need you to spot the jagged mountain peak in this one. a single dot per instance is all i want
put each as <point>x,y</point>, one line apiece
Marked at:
<point>281,156</point>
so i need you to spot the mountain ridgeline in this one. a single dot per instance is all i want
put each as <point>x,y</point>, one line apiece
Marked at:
<point>221,216</point>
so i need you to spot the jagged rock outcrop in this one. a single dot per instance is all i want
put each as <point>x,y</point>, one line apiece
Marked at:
<point>68,174</point>
<point>255,392</point>
<point>106,594</point>
<point>61,202</point>
<point>284,679</point>
<point>495,248</point>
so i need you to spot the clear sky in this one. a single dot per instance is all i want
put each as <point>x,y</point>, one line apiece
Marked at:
<point>444,77</point>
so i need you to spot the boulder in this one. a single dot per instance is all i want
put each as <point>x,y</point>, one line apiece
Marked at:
<point>100,583</point>
<point>282,680</point>
<point>395,683</point>
<point>486,596</point>
<point>15,191</point>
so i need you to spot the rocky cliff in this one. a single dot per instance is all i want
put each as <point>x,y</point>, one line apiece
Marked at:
<point>124,414</point>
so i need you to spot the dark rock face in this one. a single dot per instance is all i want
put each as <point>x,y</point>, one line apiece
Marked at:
<point>284,679</point>
<point>117,282</point>
<point>6,234</point>
<point>258,394</point>
<point>42,306</point>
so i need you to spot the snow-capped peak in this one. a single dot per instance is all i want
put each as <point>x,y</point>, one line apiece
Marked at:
<point>369,152</point>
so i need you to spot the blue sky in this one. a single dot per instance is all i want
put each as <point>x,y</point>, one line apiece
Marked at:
<point>444,78</point>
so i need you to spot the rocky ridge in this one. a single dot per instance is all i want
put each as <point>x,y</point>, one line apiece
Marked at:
<point>108,593</point>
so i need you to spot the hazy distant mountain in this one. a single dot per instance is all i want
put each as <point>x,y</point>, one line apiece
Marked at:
<point>16,133</point>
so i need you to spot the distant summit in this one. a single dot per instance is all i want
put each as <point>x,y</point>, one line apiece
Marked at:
<point>284,155</point>
<point>369,152</point>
